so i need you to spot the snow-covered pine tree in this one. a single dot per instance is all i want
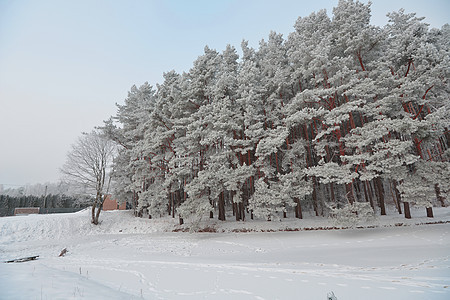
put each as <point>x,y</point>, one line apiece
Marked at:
<point>420,65</point>
<point>294,184</point>
<point>131,117</point>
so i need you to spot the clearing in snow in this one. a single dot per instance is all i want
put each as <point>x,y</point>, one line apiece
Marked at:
<point>132,258</point>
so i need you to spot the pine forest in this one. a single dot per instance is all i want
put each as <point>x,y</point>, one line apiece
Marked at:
<point>339,118</point>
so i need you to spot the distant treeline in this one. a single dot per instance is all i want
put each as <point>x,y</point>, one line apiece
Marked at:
<point>48,204</point>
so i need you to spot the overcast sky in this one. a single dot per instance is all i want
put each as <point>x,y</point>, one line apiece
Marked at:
<point>64,64</point>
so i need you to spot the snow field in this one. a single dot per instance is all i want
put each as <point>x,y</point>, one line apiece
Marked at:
<point>131,258</point>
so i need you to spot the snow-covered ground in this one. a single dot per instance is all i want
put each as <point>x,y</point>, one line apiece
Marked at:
<point>132,258</point>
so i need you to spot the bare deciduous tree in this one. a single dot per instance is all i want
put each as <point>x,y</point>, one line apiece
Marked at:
<point>88,165</point>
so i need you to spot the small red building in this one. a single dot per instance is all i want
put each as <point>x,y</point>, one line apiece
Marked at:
<point>23,211</point>
<point>111,204</point>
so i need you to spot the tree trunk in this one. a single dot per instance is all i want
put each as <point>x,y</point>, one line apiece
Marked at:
<point>221,206</point>
<point>333,199</point>
<point>439,196</point>
<point>99,209</point>
<point>370,192</point>
<point>394,197</point>
<point>211,213</point>
<point>96,208</point>
<point>298,209</point>
<point>97,215</point>
<point>358,190</point>
<point>314,196</point>
<point>173,195</point>
<point>242,211</point>
<point>176,201</point>
<point>169,206</point>
<point>406,209</point>
<point>349,193</point>
<point>134,203</point>
<point>430,212</point>
<point>94,205</point>
<point>366,195</point>
<point>398,196</point>
<point>379,188</point>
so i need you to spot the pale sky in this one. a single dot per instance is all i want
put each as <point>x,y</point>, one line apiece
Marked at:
<point>64,64</point>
